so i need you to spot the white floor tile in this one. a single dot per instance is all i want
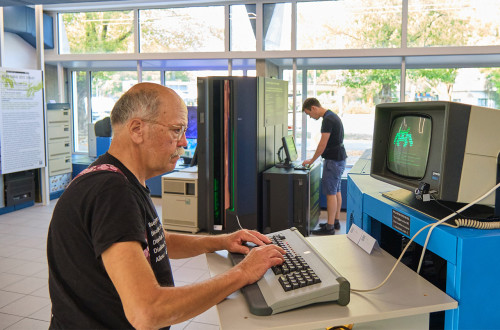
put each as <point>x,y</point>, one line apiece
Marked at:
<point>8,279</point>
<point>43,314</point>
<point>7,320</point>
<point>30,254</point>
<point>189,275</point>
<point>28,268</point>
<point>176,263</point>
<point>25,306</point>
<point>7,263</point>
<point>179,326</point>
<point>42,292</point>
<point>27,285</point>
<point>42,274</point>
<point>29,324</point>
<point>208,317</point>
<point>198,262</point>
<point>201,326</point>
<point>7,297</point>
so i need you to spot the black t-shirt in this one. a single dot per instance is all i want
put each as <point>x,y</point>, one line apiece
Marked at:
<point>96,210</point>
<point>335,146</point>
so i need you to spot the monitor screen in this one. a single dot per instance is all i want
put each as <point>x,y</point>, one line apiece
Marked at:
<point>290,149</point>
<point>192,130</point>
<point>409,144</point>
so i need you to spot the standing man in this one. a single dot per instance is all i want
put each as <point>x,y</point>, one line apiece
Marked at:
<point>108,255</point>
<point>331,148</point>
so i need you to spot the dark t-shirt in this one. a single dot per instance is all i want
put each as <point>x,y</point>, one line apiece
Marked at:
<point>96,210</point>
<point>335,146</point>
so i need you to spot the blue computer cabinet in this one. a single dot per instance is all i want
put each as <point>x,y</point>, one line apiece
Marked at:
<point>470,254</point>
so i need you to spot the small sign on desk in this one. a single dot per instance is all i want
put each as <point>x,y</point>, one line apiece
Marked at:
<point>361,238</point>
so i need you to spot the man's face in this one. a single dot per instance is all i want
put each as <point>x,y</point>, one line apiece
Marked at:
<point>167,137</point>
<point>312,112</point>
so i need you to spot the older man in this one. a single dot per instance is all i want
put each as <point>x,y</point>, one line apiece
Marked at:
<point>107,251</point>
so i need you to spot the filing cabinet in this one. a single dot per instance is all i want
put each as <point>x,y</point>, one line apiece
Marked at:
<point>180,201</point>
<point>59,146</point>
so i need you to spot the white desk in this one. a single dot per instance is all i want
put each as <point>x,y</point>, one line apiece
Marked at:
<point>405,301</point>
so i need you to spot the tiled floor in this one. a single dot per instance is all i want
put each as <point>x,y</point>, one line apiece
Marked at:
<point>24,297</point>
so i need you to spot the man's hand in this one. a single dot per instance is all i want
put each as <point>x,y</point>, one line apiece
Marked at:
<point>307,162</point>
<point>259,260</point>
<point>235,242</point>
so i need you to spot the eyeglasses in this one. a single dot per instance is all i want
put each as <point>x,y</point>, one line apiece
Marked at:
<point>178,131</point>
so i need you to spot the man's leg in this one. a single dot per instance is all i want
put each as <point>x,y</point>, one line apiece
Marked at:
<point>338,198</point>
<point>331,208</point>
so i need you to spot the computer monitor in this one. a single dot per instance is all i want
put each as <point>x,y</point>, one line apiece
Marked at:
<point>452,147</point>
<point>192,129</point>
<point>290,150</point>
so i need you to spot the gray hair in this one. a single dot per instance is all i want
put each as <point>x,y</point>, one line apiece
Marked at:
<point>136,103</point>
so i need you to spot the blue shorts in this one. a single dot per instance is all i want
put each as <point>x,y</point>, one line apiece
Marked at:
<point>332,175</point>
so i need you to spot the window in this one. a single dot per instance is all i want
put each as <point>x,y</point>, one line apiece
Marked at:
<point>453,23</point>
<point>80,111</point>
<point>349,24</point>
<point>288,75</point>
<point>243,27</point>
<point>193,29</point>
<point>352,94</point>
<point>96,32</point>
<point>151,76</point>
<point>184,83</point>
<point>477,86</point>
<point>107,87</point>
<point>277,26</point>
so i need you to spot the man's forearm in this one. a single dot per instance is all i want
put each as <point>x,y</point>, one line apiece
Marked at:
<point>185,246</point>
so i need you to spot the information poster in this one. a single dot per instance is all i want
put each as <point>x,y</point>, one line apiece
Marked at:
<point>22,126</point>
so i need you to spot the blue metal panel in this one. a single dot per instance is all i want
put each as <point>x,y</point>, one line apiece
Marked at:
<point>354,203</point>
<point>443,241</point>
<point>477,286</point>
<point>102,145</point>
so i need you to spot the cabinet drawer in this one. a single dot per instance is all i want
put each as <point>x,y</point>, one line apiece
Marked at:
<point>58,131</point>
<point>183,208</point>
<point>59,148</point>
<point>60,165</point>
<point>58,116</point>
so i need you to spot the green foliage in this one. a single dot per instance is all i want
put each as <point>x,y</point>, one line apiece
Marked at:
<point>425,28</point>
<point>381,84</point>
<point>178,30</point>
<point>99,32</point>
<point>493,83</point>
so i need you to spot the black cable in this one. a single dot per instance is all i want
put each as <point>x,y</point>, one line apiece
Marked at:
<point>488,219</point>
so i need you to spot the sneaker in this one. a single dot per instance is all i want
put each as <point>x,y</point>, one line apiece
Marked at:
<point>336,225</point>
<point>323,231</point>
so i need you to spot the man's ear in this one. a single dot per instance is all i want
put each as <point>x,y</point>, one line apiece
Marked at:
<point>136,129</point>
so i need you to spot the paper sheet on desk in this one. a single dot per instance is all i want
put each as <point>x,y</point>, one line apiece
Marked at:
<point>361,238</point>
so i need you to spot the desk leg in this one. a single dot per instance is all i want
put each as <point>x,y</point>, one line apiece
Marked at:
<point>451,316</point>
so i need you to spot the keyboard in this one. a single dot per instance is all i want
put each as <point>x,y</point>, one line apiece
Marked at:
<point>301,168</point>
<point>304,278</point>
